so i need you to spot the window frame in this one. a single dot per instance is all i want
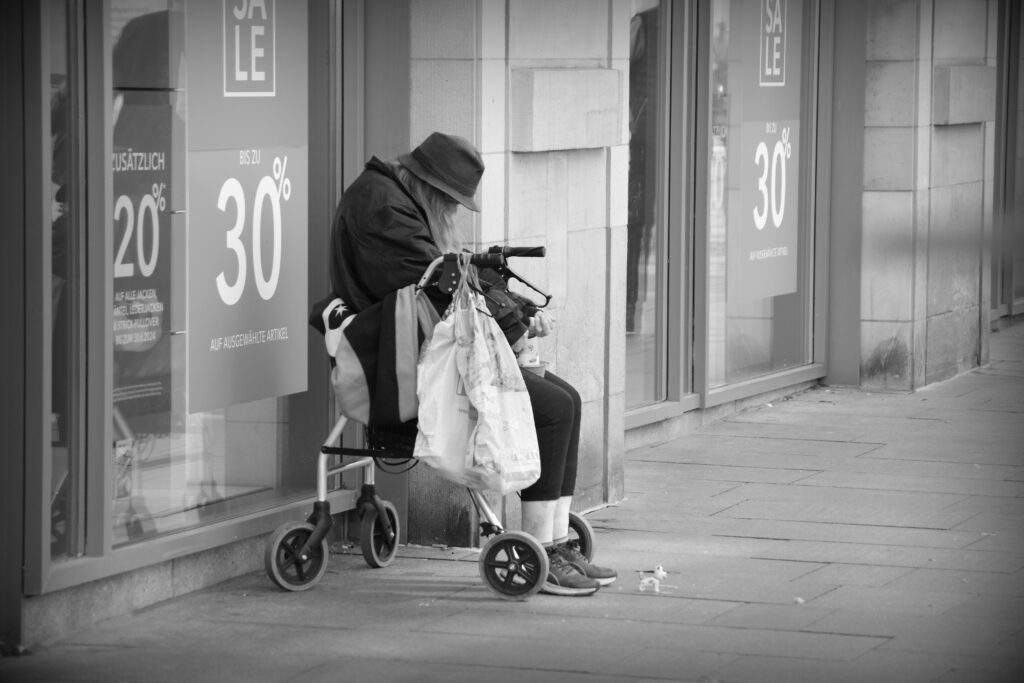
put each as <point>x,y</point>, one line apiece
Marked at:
<point>1004,301</point>
<point>676,265</point>
<point>815,103</point>
<point>309,413</point>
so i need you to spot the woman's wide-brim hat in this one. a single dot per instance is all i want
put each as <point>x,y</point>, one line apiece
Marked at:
<point>449,163</point>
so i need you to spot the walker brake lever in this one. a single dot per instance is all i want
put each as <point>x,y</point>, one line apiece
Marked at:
<point>512,274</point>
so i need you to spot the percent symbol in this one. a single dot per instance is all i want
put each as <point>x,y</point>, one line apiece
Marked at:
<point>158,195</point>
<point>284,184</point>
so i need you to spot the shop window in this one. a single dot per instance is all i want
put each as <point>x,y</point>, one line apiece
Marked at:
<point>646,258</point>
<point>210,274</point>
<point>759,260</point>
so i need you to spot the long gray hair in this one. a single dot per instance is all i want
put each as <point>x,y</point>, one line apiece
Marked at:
<point>439,206</point>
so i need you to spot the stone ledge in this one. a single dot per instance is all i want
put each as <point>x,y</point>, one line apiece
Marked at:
<point>963,94</point>
<point>570,108</point>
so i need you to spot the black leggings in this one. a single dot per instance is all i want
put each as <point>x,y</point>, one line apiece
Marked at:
<point>557,410</point>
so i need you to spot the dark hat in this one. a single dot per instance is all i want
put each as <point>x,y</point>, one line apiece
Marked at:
<point>449,163</point>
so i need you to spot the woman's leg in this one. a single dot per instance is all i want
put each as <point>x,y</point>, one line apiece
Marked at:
<point>560,519</point>
<point>556,407</point>
<point>556,416</point>
<point>537,520</point>
<point>570,552</point>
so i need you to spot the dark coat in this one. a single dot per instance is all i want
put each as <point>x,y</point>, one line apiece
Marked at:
<point>381,242</point>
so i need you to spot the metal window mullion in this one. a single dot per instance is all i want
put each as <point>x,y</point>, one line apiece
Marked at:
<point>666,341</point>
<point>681,198</point>
<point>77,271</point>
<point>98,327</point>
<point>38,327</point>
<point>1005,210</point>
<point>701,242</point>
<point>822,160</point>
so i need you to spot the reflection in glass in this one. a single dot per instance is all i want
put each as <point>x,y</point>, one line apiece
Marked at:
<point>758,280</point>
<point>645,333</point>
<point>64,286</point>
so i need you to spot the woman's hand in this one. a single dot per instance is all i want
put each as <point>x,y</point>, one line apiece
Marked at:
<point>519,344</point>
<point>541,325</point>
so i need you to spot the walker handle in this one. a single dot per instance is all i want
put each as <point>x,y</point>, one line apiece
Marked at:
<point>495,256</point>
<point>518,251</point>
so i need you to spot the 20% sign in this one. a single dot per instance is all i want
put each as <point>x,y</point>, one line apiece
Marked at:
<point>148,213</point>
<point>269,189</point>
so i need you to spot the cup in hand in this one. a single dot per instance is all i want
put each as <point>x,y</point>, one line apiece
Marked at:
<point>529,356</point>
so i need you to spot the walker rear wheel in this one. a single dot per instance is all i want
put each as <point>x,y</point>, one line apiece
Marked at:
<point>581,531</point>
<point>378,550</point>
<point>513,565</point>
<point>285,566</point>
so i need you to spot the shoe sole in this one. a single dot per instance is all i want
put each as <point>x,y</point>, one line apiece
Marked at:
<point>606,582</point>
<point>555,589</point>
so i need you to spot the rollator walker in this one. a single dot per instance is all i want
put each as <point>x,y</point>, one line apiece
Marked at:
<point>512,564</point>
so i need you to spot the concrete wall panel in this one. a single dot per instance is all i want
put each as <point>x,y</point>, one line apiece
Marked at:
<point>591,470</point>
<point>953,344</point>
<point>565,29</point>
<point>889,161</point>
<point>892,30</point>
<point>887,257</point>
<point>493,106</point>
<point>960,30</point>
<point>954,248</point>
<point>441,29</point>
<point>957,154</point>
<point>580,356</point>
<point>886,360</point>
<point>491,197</point>
<point>889,95</point>
<point>437,85</point>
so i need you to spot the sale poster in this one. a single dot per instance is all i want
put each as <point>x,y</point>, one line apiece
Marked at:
<point>248,252</point>
<point>764,153</point>
<point>148,143</point>
<point>248,202</point>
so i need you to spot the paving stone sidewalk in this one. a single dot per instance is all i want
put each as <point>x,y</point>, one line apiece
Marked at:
<point>837,536</point>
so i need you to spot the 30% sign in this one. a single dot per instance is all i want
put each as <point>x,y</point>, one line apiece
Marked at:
<point>147,242</point>
<point>772,183</point>
<point>272,190</point>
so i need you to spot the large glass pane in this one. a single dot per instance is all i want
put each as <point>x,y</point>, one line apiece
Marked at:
<point>758,274</point>
<point>210,259</point>
<point>645,298</point>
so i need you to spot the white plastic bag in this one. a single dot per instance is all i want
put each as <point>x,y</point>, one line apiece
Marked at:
<point>475,419</point>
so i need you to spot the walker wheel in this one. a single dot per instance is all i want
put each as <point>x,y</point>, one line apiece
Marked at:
<point>513,565</point>
<point>284,565</point>
<point>581,531</point>
<point>378,550</point>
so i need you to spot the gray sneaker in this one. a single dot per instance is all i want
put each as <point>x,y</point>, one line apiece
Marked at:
<point>564,579</point>
<point>570,552</point>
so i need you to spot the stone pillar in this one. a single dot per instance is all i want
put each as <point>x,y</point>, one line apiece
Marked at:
<point>928,166</point>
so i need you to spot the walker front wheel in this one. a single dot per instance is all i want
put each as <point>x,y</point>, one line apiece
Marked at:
<point>581,532</point>
<point>378,549</point>
<point>513,565</point>
<point>285,566</point>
